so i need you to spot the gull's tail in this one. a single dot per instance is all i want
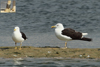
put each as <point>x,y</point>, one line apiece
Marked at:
<point>84,34</point>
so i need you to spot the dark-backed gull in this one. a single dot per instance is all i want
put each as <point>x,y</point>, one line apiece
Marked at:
<point>18,37</point>
<point>68,34</point>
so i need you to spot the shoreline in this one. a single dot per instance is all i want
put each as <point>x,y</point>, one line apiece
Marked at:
<point>50,52</point>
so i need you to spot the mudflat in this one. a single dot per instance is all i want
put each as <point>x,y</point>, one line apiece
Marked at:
<point>37,52</point>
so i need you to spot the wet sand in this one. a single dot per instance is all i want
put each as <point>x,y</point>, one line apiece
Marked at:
<point>50,52</point>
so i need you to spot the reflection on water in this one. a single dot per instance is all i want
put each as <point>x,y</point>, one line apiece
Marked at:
<point>49,62</point>
<point>17,61</point>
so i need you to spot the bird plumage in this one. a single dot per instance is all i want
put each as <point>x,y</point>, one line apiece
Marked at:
<point>23,36</point>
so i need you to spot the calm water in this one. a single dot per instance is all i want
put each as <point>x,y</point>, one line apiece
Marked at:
<point>49,62</point>
<point>35,18</point>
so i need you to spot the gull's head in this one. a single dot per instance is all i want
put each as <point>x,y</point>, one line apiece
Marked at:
<point>58,25</point>
<point>16,28</point>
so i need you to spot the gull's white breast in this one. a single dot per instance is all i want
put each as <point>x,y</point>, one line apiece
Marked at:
<point>17,37</point>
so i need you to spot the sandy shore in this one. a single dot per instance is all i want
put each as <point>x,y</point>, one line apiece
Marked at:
<point>37,52</point>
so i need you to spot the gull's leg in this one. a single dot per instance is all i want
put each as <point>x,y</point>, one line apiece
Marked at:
<point>20,46</point>
<point>15,46</point>
<point>65,44</point>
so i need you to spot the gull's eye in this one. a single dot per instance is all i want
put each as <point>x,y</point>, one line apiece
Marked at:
<point>57,25</point>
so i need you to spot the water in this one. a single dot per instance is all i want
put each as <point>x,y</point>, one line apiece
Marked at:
<point>35,18</point>
<point>49,62</point>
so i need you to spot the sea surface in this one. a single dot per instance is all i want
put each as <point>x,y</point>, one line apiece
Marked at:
<point>35,18</point>
<point>49,62</point>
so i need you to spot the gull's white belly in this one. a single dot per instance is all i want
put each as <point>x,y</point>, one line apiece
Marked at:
<point>17,38</point>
